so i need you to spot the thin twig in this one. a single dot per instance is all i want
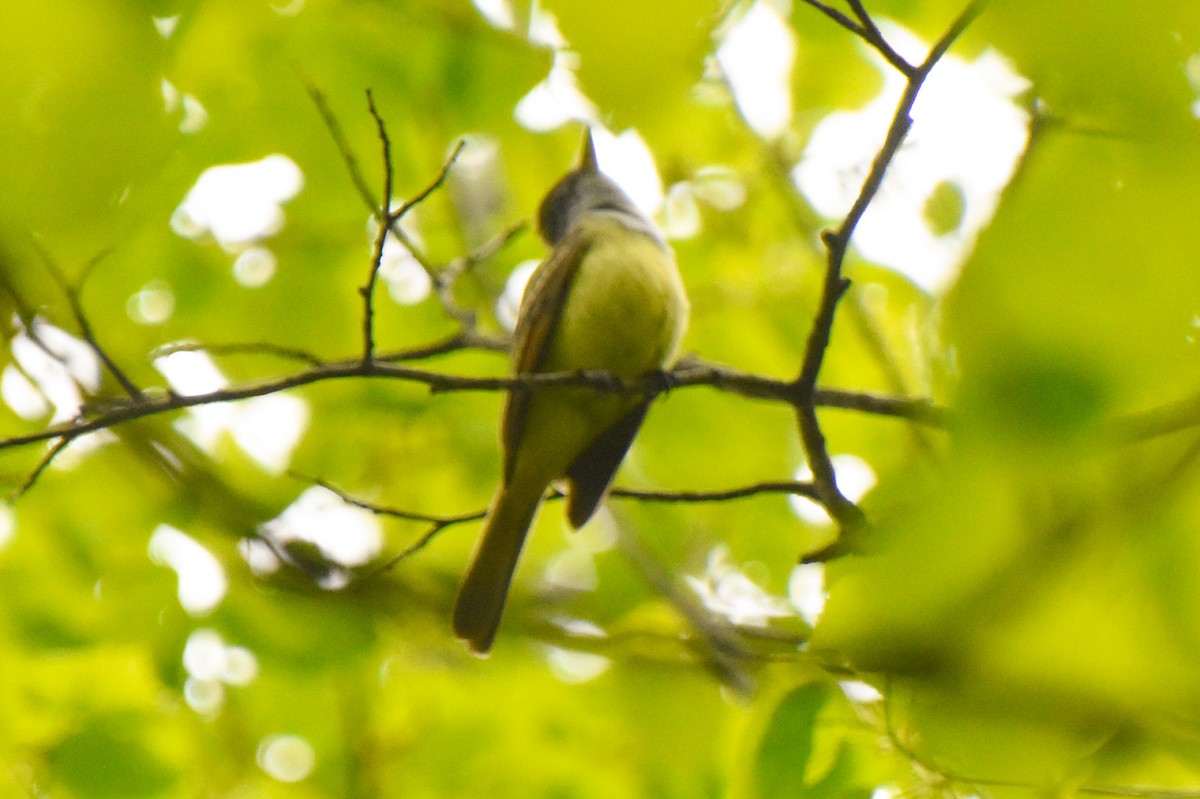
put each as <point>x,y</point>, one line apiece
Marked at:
<point>383,212</point>
<point>381,510</point>
<point>87,333</point>
<point>81,319</point>
<point>836,16</point>
<point>835,285</point>
<point>873,36</point>
<point>489,248</point>
<point>341,142</point>
<point>456,342</point>
<point>450,274</point>
<point>388,219</point>
<point>461,341</point>
<point>423,541</point>
<point>1144,425</point>
<point>952,778</point>
<point>421,196</point>
<point>55,450</point>
<point>439,523</point>
<point>964,20</point>
<point>867,31</point>
<point>443,278</point>
<point>793,488</point>
<point>790,487</point>
<point>248,348</point>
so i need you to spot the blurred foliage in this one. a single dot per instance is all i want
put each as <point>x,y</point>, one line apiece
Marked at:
<point>1025,620</point>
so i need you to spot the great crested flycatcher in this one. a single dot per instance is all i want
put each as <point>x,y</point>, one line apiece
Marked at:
<point>608,298</point>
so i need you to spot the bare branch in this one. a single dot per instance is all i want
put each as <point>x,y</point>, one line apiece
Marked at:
<point>695,372</point>
<point>456,342</point>
<point>951,777</point>
<point>439,523</point>
<point>117,412</point>
<point>343,145</point>
<point>873,36</point>
<point>489,248</point>
<point>81,320</point>
<point>719,648</point>
<point>383,212</point>
<point>249,348</point>
<point>450,274</point>
<point>1173,417</point>
<point>866,30</point>
<point>792,488</point>
<point>388,219</point>
<point>835,285</point>
<point>442,278</point>
<point>421,196</point>
<point>55,450</point>
<point>836,16</point>
<point>463,340</point>
<point>381,510</point>
<point>921,411</point>
<point>956,29</point>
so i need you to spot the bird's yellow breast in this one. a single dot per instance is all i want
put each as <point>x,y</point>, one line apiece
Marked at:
<point>626,310</point>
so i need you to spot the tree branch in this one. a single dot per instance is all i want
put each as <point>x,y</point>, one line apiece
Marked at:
<point>329,119</point>
<point>53,452</point>
<point>72,293</point>
<point>951,778</point>
<point>113,412</point>
<point>460,341</point>
<point>439,523</point>
<point>792,488</point>
<point>390,220</point>
<point>383,213</point>
<point>873,36</point>
<point>835,285</point>
<point>866,30</point>
<point>443,278</point>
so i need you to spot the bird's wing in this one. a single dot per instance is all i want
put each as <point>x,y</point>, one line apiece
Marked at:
<point>592,472</point>
<point>542,306</point>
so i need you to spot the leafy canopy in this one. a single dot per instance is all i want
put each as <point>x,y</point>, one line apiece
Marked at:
<point>194,604</point>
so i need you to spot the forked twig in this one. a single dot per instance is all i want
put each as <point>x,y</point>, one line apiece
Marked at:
<point>835,284</point>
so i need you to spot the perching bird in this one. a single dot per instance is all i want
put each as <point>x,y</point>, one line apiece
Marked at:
<point>607,298</point>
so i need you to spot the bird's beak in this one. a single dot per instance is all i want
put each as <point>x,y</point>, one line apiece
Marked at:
<point>587,158</point>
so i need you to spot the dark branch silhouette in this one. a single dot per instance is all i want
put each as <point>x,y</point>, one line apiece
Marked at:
<point>834,286</point>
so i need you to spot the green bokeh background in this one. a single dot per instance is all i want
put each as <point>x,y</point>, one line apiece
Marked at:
<point>1027,605</point>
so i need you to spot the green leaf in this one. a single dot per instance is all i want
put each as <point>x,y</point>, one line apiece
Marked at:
<point>944,208</point>
<point>787,743</point>
<point>645,72</point>
<point>108,758</point>
<point>83,88</point>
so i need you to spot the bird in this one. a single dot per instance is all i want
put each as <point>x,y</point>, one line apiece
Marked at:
<point>608,298</point>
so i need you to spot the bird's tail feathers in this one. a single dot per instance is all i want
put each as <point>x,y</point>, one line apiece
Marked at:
<point>481,597</point>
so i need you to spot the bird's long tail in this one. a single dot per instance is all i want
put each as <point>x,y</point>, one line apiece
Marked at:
<point>481,597</point>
